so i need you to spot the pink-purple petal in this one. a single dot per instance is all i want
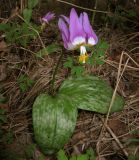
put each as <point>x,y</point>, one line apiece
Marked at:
<point>76,31</point>
<point>66,19</point>
<point>48,17</point>
<point>81,19</point>
<point>75,28</point>
<point>64,30</point>
<point>88,28</point>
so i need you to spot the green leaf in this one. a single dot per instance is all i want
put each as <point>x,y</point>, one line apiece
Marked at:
<point>8,137</point>
<point>53,48</point>
<point>54,120</point>
<point>32,3</point>
<point>8,154</point>
<point>83,157</point>
<point>48,50</point>
<point>91,154</point>
<point>24,82</point>
<point>73,158</point>
<point>68,63</point>
<point>41,53</point>
<point>2,99</point>
<point>102,45</point>
<point>135,132</point>
<point>2,111</point>
<point>30,150</point>
<point>61,155</point>
<point>77,71</point>
<point>41,157</point>
<point>12,34</point>
<point>5,27</point>
<point>91,93</point>
<point>135,157</point>
<point>3,117</point>
<point>27,14</point>
<point>132,13</point>
<point>98,54</point>
<point>133,141</point>
<point>101,48</point>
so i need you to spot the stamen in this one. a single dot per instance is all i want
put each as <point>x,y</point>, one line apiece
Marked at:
<point>83,54</point>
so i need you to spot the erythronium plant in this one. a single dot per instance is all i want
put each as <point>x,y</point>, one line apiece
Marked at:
<point>77,32</point>
<point>55,115</point>
<point>48,17</point>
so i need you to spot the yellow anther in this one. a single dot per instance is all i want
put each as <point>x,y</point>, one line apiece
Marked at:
<point>83,58</point>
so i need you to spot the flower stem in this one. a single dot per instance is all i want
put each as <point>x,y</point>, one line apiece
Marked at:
<point>52,83</point>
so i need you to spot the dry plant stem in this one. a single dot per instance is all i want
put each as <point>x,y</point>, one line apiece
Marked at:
<point>114,137</point>
<point>114,64</point>
<point>94,13</point>
<point>74,5</point>
<point>117,140</point>
<point>52,89</point>
<point>118,80</point>
<point>132,59</point>
<point>32,53</point>
<point>113,97</point>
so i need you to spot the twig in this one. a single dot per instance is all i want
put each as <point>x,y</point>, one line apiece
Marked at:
<point>94,13</point>
<point>112,63</point>
<point>114,137</point>
<point>25,49</point>
<point>117,140</point>
<point>74,5</point>
<point>112,100</point>
<point>52,90</point>
<point>118,80</point>
<point>132,59</point>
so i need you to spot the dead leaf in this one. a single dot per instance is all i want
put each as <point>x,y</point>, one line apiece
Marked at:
<point>3,46</point>
<point>5,107</point>
<point>118,127</point>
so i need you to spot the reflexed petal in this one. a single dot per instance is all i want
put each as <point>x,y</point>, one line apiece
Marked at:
<point>92,41</point>
<point>91,36</point>
<point>65,18</point>
<point>76,29</point>
<point>65,41</point>
<point>81,19</point>
<point>63,28</point>
<point>65,34</point>
<point>48,17</point>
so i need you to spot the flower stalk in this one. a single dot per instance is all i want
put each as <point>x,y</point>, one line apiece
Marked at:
<point>52,83</point>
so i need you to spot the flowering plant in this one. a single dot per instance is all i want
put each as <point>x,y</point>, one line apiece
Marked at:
<point>77,32</point>
<point>48,17</point>
<point>55,115</point>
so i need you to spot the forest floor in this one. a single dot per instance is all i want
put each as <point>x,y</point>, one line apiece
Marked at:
<point>23,76</point>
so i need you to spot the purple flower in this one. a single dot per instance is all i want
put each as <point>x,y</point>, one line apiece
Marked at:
<point>48,17</point>
<point>77,32</point>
